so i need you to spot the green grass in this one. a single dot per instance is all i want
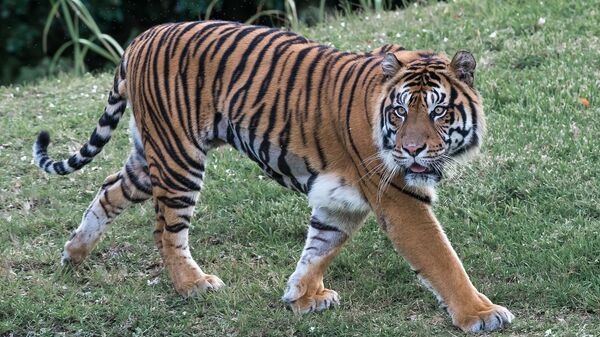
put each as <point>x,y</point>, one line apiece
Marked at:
<point>524,217</point>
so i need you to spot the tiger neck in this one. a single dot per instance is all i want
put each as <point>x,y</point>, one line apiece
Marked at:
<point>356,82</point>
<point>354,96</point>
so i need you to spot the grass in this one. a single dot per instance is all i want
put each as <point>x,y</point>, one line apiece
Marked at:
<point>525,217</point>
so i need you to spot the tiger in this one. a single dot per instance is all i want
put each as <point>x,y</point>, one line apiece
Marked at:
<point>357,133</point>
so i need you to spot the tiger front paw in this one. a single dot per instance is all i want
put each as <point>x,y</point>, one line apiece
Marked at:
<point>188,278</point>
<point>192,287</point>
<point>485,316</point>
<point>302,299</point>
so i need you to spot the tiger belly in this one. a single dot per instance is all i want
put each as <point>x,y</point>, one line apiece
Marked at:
<point>325,190</point>
<point>286,168</point>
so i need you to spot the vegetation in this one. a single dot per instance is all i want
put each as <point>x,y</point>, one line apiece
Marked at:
<point>73,12</point>
<point>524,217</point>
<point>32,46</point>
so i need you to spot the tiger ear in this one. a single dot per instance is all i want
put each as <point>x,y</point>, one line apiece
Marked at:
<point>463,64</point>
<point>390,65</point>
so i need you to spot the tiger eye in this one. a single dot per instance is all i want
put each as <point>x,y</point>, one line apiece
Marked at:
<point>395,118</point>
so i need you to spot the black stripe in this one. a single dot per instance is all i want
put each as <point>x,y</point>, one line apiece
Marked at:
<point>133,177</point>
<point>113,98</point>
<point>111,120</point>
<point>255,68</point>
<point>181,182</point>
<point>178,227</point>
<point>318,238</point>
<point>177,202</point>
<point>317,224</point>
<point>164,112</point>
<point>217,84</point>
<point>419,197</point>
<point>279,51</point>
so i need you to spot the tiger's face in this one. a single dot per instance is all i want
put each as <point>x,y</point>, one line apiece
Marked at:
<point>429,116</point>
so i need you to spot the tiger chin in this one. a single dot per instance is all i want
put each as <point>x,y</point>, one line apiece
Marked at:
<point>356,133</point>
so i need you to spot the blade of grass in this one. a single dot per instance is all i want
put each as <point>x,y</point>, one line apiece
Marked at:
<point>292,14</point>
<point>73,34</point>
<point>322,11</point>
<point>49,20</point>
<point>97,49</point>
<point>210,8</point>
<point>270,12</point>
<point>114,43</point>
<point>57,55</point>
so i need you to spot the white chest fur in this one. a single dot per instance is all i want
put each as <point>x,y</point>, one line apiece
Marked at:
<point>333,192</point>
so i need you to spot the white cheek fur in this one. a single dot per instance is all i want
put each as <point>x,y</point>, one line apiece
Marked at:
<point>388,160</point>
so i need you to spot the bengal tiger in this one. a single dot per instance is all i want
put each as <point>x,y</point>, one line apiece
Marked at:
<point>357,133</point>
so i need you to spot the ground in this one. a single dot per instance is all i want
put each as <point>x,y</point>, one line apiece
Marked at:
<point>524,217</point>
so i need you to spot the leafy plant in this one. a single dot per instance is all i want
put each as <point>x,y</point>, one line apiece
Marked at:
<point>267,12</point>
<point>367,6</point>
<point>74,14</point>
<point>289,15</point>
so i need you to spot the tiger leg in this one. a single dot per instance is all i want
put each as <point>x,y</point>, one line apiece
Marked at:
<point>420,239</point>
<point>328,231</point>
<point>119,191</point>
<point>175,198</point>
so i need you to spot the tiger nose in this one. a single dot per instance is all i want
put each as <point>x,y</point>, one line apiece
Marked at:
<point>413,149</point>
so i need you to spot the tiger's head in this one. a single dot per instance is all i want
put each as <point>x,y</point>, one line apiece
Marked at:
<point>429,114</point>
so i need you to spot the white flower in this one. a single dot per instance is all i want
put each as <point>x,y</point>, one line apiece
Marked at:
<point>493,35</point>
<point>541,22</point>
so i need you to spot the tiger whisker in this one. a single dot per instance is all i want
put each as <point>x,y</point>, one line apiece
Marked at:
<point>384,183</point>
<point>372,171</point>
<point>370,159</point>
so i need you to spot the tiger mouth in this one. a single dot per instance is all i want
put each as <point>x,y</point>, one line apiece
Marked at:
<point>420,170</point>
